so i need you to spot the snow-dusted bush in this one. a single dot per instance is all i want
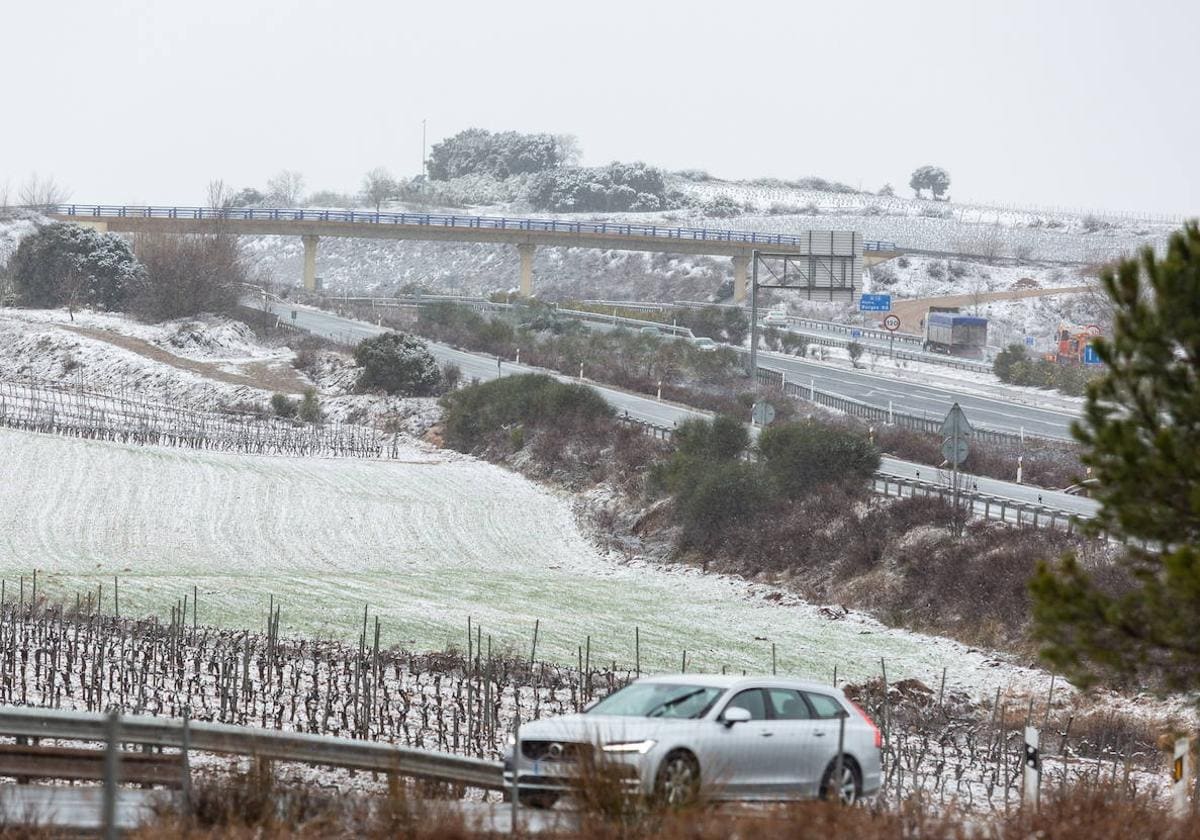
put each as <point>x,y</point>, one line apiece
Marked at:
<point>618,187</point>
<point>477,151</point>
<point>397,364</point>
<point>70,265</point>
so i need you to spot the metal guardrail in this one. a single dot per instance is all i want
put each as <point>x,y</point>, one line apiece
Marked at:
<point>848,329</point>
<point>25,722</point>
<point>985,505</point>
<point>856,408</point>
<point>906,355</point>
<point>981,504</point>
<point>279,214</point>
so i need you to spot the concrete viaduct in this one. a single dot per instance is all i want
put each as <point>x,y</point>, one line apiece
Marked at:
<point>835,257</point>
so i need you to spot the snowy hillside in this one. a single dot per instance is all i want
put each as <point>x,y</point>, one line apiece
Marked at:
<point>1029,236</point>
<point>425,542</point>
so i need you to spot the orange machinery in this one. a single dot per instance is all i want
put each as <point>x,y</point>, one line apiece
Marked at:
<point>1071,341</point>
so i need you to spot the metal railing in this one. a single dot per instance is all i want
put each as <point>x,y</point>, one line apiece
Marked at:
<point>856,408</point>
<point>278,214</point>
<point>981,504</point>
<point>984,505</point>
<point>905,355</point>
<point>268,744</point>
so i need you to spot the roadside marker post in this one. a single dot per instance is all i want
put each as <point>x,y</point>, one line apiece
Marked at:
<point>1181,777</point>
<point>1032,768</point>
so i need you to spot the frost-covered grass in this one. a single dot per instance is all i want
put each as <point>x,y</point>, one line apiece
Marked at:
<point>425,541</point>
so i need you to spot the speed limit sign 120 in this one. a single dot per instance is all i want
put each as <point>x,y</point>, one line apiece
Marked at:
<point>891,322</point>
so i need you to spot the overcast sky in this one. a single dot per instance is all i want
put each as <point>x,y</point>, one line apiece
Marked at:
<point>1091,104</point>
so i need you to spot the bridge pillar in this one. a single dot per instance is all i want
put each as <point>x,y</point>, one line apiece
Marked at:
<point>310,262</point>
<point>740,263</point>
<point>526,251</point>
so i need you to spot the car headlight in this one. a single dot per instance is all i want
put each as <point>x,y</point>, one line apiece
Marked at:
<point>639,747</point>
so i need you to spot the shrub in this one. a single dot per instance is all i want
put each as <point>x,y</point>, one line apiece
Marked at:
<point>282,406</point>
<point>70,265</point>
<point>472,415</point>
<point>397,364</point>
<point>617,187</point>
<point>477,151</point>
<point>716,495</point>
<point>800,458</point>
<point>310,408</point>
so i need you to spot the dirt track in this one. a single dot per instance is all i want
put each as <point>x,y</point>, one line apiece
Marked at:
<point>267,375</point>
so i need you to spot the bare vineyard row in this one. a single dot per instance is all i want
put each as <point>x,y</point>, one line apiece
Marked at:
<point>468,699</point>
<point>80,412</point>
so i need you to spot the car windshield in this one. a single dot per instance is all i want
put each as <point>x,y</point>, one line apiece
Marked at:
<point>658,700</point>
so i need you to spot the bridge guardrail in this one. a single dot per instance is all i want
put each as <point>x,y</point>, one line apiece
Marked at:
<point>280,214</point>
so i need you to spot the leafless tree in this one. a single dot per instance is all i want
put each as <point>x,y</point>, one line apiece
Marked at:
<point>72,287</point>
<point>41,193</point>
<point>569,149</point>
<point>378,186</point>
<point>4,196</point>
<point>286,189</point>
<point>187,275</point>
<point>219,195</point>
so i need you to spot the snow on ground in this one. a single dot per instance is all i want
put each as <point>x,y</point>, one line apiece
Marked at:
<point>45,344</point>
<point>209,338</point>
<point>426,541</point>
<point>44,349</point>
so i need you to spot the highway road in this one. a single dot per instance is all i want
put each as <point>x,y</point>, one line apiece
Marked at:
<point>649,410</point>
<point>923,400</point>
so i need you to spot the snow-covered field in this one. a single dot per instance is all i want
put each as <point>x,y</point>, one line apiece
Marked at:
<point>426,541</point>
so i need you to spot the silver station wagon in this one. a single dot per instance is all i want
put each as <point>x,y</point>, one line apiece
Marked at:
<point>681,736</point>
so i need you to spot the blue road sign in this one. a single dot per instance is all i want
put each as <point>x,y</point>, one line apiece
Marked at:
<point>875,303</point>
<point>1090,357</point>
<point>856,333</point>
<point>1030,341</point>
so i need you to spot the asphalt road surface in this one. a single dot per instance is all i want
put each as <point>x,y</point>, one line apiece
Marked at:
<point>649,410</point>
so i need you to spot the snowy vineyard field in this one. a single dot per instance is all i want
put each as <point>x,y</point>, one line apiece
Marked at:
<point>79,412</point>
<point>425,541</point>
<point>466,701</point>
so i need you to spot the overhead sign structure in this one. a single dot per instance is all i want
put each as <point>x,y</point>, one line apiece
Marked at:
<point>874,303</point>
<point>891,323</point>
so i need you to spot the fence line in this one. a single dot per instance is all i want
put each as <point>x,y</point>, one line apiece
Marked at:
<point>79,411</point>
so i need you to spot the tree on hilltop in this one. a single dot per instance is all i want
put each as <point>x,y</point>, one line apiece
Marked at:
<point>932,178</point>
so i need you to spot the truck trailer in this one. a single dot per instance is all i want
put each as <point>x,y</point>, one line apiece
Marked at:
<point>955,334</point>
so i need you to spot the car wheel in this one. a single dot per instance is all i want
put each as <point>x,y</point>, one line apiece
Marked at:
<point>537,799</point>
<point>848,789</point>
<point>678,781</point>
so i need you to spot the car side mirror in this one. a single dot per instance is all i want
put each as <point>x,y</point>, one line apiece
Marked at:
<point>735,714</point>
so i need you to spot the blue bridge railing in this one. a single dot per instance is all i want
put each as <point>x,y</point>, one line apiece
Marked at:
<point>442,220</point>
